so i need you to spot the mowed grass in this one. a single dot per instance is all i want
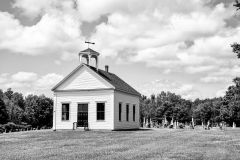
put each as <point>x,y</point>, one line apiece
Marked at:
<point>141,144</point>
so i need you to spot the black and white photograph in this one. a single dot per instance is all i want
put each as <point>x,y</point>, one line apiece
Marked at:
<point>119,79</point>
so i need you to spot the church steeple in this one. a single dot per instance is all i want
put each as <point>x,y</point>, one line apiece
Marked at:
<point>88,54</point>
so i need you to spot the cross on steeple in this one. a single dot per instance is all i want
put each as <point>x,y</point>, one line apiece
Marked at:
<point>89,43</point>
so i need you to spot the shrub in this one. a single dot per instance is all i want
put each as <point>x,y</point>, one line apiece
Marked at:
<point>2,129</point>
<point>10,126</point>
<point>171,126</point>
<point>181,126</point>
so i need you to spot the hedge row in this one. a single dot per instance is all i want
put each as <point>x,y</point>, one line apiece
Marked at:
<point>12,127</point>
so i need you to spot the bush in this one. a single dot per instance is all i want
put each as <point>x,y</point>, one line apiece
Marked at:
<point>10,126</point>
<point>181,126</point>
<point>2,129</point>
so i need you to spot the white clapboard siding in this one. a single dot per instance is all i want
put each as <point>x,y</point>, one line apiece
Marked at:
<point>124,98</point>
<point>83,78</point>
<point>90,97</point>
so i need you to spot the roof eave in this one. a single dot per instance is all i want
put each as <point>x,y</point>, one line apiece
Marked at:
<point>80,90</point>
<point>80,65</point>
<point>100,77</point>
<point>139,95</point>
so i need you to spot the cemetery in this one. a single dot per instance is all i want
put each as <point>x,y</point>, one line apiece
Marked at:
<point>158,143</point>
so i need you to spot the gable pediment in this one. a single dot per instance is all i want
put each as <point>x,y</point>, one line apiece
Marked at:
<point>83,79</point>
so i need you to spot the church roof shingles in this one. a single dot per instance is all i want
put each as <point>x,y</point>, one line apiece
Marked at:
<point>114,80</point>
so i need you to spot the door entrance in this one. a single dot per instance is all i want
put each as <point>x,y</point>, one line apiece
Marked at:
<point>82,115</point>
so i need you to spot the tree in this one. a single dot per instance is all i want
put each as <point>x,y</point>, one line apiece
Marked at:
<point>231,104</point>
<point>30,107</point>
<point>235,46</point>
<point>39,110</point>
<point>1,94</point>
<point>44,112</point>
<point>183,111</point>
<point>17,108</point>
<point>14,105</point>
<point>217,104</point>
<point>8,94</point>
<point>204,111</point>
<point>172,107</point>
<point>3,112</point>
<point>237,4</point>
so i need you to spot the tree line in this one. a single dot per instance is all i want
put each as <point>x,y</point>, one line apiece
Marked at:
<point>37,111</point>
<point>33,110</point>
<point>170,106</point>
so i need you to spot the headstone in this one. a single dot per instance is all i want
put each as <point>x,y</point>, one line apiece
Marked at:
<point>192,121</point>
<point>234,125</point>
<point>175,124</point>
<point>172,121</point>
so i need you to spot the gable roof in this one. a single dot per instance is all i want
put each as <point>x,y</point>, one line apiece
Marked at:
<point>111,78</point>
<point>114,80</point>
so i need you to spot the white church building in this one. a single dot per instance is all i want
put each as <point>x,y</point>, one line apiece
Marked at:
<point>96,98</point>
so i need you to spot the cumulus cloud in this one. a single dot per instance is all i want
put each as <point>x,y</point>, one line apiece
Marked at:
<point>200,69</point>
<point>222,92</point>
<point>57,32</point>
<point>215,79</point>
<point>52,35</point>
<point>184,36</point>
<point>223,75</point>
<point>16,85</point>
<point>230,71</point>
<point>34,9</point>
<point>24,76</point>
<point>29,80</point>
<point>57,62</point>
<point>29,93</point>
<point>155,87</point>
<point>3,78</point>
<point>162,43</point>
<point>48,81</point>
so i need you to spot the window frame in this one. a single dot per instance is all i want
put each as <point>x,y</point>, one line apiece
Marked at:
<point>119,113</point>
<point>69,117</point>
<point>134,112</point>
<point>127,112</point>
<point>99,120</point>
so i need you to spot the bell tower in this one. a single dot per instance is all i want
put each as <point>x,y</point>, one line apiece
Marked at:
<point>88,54</point>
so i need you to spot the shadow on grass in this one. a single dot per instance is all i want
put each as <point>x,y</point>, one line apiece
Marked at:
<point>140,129</point>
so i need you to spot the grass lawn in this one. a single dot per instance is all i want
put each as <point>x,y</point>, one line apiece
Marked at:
<point>143,144</point>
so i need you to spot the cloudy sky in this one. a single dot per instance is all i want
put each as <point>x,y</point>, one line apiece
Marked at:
<point>182,46</point>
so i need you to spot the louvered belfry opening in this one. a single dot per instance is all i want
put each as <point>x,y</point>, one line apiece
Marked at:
<point>89,54</point>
